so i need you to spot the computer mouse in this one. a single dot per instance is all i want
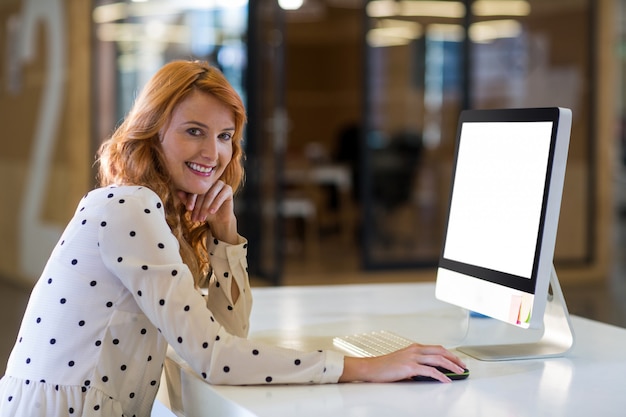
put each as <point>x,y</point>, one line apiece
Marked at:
<point>452,375</point>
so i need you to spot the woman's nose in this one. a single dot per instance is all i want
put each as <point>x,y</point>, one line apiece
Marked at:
<point>209,148</point>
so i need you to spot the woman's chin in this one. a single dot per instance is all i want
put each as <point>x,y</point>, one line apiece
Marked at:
<point>196,187</point>
<point>189,191</point>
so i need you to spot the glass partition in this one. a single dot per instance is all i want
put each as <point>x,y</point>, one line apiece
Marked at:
<point>429,60</point>
<point>303,78</point>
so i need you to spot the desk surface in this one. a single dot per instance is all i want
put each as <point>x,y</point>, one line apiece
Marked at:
<point>589,380</point>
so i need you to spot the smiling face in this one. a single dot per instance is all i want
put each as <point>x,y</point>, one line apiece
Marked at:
<point>197,142</point>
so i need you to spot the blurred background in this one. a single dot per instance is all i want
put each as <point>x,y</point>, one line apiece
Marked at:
<point>352,107</point>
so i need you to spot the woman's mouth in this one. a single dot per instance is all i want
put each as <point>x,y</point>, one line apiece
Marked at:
<point>202,169</point>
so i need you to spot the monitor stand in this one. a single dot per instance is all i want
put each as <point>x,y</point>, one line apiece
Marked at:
<point>555,338</point>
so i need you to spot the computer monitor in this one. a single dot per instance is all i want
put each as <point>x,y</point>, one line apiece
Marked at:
<point>505,199</point>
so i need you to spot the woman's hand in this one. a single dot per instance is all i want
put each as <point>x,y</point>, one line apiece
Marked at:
<point>413,360</point>
<point>215,207</point>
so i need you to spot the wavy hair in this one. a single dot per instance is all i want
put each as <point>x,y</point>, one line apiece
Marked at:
<point>133,155</point>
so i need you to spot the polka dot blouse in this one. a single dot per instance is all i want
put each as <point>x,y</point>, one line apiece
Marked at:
<point>113,295</point>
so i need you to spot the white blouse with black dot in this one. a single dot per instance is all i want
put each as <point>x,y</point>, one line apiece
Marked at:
<point>113,295</point>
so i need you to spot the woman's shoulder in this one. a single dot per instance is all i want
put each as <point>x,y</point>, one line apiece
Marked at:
<point>115,192</point>
<point>102,199</point>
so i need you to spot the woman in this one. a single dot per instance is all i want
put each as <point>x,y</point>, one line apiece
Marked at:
<point>122,282</point>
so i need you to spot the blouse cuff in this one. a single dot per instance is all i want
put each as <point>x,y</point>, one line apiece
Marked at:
<point>228,262</point>
<point>334,367</point>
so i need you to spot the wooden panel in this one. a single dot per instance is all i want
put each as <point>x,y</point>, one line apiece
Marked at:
<point>45,154</point>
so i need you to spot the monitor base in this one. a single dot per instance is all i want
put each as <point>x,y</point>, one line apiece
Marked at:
<point>555,339</point>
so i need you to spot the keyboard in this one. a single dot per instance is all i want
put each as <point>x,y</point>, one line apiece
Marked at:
<point>371,344</point>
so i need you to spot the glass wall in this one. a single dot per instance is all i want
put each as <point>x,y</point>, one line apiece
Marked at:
<point>353,108</point>
<point>429,60</point>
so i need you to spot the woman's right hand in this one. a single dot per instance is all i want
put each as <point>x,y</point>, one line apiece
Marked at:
<point>414,360</point>
<point>216,208</point>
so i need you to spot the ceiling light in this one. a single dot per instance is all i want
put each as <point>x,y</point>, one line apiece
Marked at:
<point>450,9</point>
<point>484,32</point>
<point>377,38</point>
<point>382,8</point>
<point>389,8</point>
<point>290,4</point>
<point>501,8</point>
<point>393,32</point>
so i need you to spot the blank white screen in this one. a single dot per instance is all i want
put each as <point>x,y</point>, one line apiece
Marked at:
<point>497,195</point>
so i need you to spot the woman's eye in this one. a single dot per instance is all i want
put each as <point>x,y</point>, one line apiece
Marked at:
<point>226,136</point>
<point>194,131</point>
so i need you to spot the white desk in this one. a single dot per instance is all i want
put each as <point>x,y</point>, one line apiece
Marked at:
<point>589,381</point>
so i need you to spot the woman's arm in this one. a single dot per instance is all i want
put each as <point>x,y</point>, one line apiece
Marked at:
<point>216,207</point>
